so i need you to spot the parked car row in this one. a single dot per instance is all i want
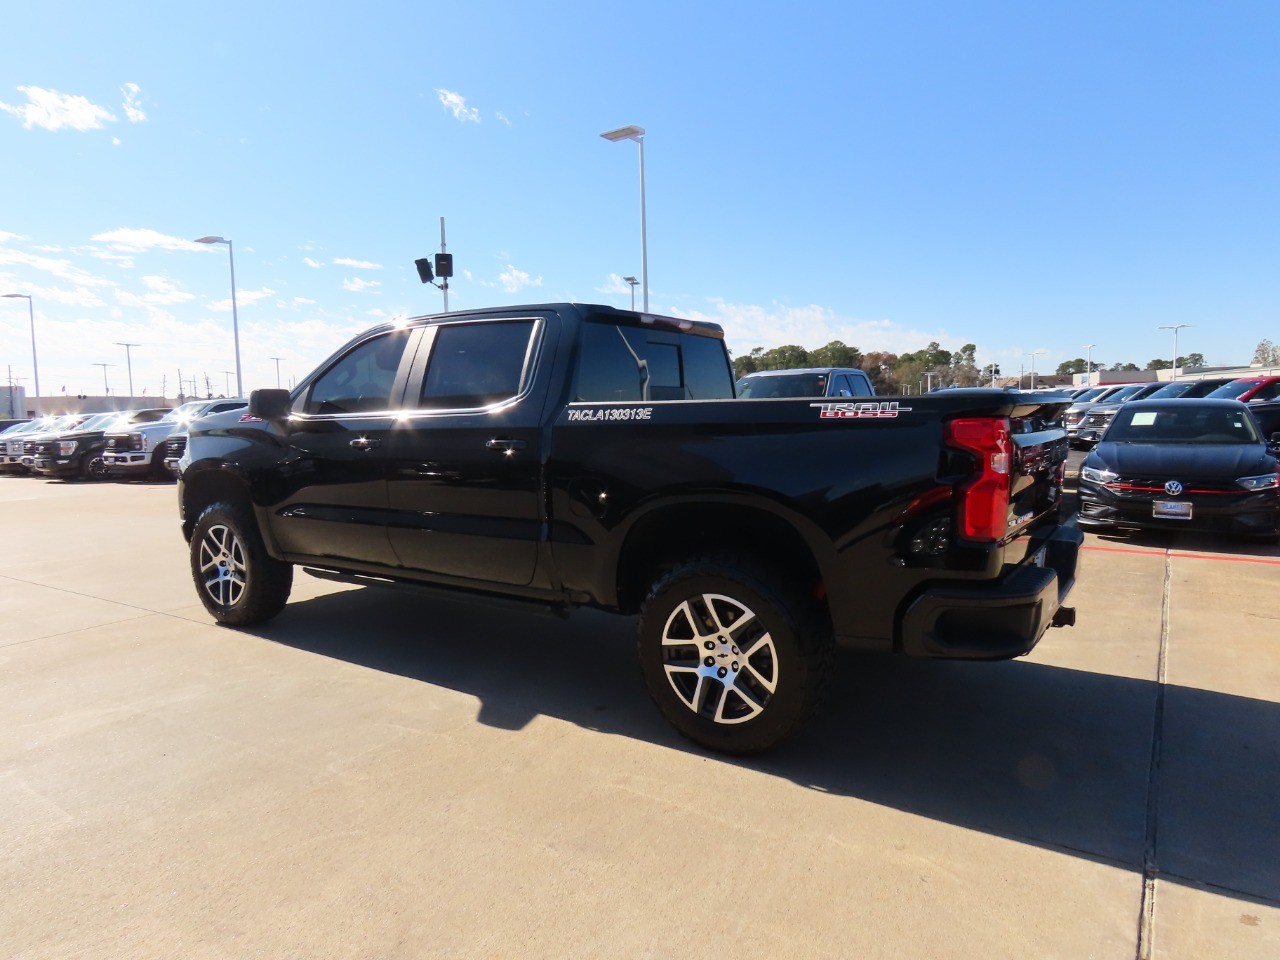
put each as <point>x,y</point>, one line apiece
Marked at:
<point>118,443</point>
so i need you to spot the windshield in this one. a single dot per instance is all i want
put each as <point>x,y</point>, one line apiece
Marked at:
<point>1187,422</point>
<point>1124,393</point>
<point>1232,390</point>
<point>1170,390</point>
<point>1089,394</point>
<point>184,413</point>
<point>783,385</point>
<point>99,421</point>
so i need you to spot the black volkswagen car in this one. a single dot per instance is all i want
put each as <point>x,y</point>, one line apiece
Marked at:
<point>1183,464</point>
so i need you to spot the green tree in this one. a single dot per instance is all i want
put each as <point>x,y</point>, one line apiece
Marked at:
<point>1159,364</point>
<point>1069,367</point>
<point>880,366</point>
<point>964,366</point>
<point>835,354</point>
<point>1192,360</point>
<point>785,358</point>
<point>1121,367</point>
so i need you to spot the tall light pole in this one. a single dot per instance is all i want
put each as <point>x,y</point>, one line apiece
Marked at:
<point>1088,365</point>
<point>128,359</point>
<point>277,360</point>
<point>235,319</point>
<point>106,388</point>
<point>1032,357</point>
<point>227,378</point>
<point>633,281</point>
<point>31,313</point>
<point>1175,328</point>
<point>637,134</point>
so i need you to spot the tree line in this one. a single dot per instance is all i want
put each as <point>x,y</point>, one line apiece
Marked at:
<point>889,372</point>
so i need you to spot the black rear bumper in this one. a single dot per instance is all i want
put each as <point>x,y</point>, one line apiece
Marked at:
<point>999,619</point>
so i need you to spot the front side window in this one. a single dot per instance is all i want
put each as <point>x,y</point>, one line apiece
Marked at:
<point>477,365</point>
<point>1268,392</point>
<point>361,381</point>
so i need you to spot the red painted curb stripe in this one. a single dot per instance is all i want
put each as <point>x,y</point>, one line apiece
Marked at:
<point>1267,561</point>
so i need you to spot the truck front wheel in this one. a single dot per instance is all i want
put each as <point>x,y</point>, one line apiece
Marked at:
<point>736,657</point>
<point>237,580</point>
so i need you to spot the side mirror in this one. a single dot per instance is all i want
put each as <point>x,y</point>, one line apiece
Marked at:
<point>270,404</point>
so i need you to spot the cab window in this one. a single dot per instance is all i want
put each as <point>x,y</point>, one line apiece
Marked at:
<point>361,381</point>
<point>477,365</point>
<point>622,363</point>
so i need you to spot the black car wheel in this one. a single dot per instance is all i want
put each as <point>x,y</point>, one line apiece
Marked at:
<point>92,466</point>
<point>735,656</point>
<point>237,580</point>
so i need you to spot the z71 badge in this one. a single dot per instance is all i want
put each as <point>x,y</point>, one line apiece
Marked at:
<point>860,411</point>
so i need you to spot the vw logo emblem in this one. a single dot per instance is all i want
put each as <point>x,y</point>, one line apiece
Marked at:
<point>1173,488</point>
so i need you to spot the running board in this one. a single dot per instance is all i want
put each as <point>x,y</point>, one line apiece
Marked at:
<point>453,594</point>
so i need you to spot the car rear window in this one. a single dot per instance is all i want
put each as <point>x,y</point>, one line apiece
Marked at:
<point>625,363</point>
<point>783,385</point>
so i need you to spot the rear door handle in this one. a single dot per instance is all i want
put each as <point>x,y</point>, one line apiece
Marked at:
<point>505,445</point>
<point>365,443</point>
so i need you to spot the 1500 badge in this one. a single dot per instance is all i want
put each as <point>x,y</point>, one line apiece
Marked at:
<point>612,413</point>
<point>860,411</point>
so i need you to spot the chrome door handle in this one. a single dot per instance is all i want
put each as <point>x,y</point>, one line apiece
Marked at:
<point>364,443</point>
<point>505,445</point>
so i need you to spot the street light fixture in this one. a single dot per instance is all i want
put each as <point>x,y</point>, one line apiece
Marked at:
<point>277,360</point>
<point>637,134</point>
<point>235,319</point>
<point>1032,357</point>
<point>1088,365</point>
<point>128,359</point>
<point>106,388</point>
<point>633,281</point>
<point>31,313</point>
<point>1175,328</point>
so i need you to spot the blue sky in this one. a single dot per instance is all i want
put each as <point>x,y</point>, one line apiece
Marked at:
<point>1022,176</point>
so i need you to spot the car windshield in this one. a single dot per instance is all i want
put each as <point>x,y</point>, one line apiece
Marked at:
<point>783,385</point>
<point>1232,390</point>
<point>1171,390</point>
<point>100,421</point>
<point>184,413</point>
<point>1187,422</point>
<point>1124,393</point>
<point>1089,394</point>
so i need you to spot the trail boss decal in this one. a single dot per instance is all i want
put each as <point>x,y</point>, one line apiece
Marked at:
<point>859,411</point>
<point>611,413</point>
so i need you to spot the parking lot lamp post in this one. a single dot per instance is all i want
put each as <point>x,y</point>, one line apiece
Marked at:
<point>106,388</point>
<point>1175,328</point>
<point>633,281</point>
<point>1088,365</point>
<point>637,134</point>
<point>235,319</point>
<point>1032,357</point>
<point>277,360</point>
<point>128,359</point>
<point>31,314</point>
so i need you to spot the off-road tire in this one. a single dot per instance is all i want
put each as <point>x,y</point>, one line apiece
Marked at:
<point>236,579</point>
<point>735,654</point>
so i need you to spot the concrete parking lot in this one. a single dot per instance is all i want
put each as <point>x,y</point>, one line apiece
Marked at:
<point>376,775</point>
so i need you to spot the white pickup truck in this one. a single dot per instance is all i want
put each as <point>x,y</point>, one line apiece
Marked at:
<point>142,450</point>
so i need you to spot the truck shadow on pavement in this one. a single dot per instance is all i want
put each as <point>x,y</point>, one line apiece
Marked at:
<point>1049,756</point>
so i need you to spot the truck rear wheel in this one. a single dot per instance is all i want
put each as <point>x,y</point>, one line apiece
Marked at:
<point>237,580</point>
<point>736,657</point>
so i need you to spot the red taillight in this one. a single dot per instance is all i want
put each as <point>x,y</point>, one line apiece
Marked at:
<point>983,507</point>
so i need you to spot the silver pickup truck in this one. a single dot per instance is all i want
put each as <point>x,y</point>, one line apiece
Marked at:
<point>143,449</point>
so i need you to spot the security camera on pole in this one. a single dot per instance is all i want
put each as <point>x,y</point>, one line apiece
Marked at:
<point>443,268</point>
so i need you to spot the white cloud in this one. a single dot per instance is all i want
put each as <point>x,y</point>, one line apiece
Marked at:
<point>77,297</point>
<point>6,237</point>
<point>358,264</point>
<point>750,325</point>
<point>51,110</point>
<point>615,285</point>
<point>503,117</point>
<point>244,298</point>
<point>456,104</point>
<point>62,269</point>
<point>313,264</point>
<point>131,108</point>
<point>514,280</point>
<point>356,285</point>
<point>162,291</point>
<point>304,301</point>
<point>138,240</point>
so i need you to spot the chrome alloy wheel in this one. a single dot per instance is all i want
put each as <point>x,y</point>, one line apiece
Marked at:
<point>719,658</point>
<point>222,565</point>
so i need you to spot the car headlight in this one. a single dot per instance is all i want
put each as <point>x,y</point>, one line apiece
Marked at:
<point>1098,476</point>
<point>1268,481</point>
<point>66,448</point>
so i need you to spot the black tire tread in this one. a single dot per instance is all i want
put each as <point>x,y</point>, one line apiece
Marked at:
<point>270,580</point>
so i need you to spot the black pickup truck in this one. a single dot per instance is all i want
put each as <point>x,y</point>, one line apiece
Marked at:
<point>569,455</point>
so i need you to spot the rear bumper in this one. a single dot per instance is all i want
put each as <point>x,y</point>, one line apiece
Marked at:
<point>999,619</point>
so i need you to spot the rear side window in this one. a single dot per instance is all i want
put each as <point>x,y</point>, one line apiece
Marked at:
<point>620,363</point>
<point>478,364</point>
<point>361,380</point>
<point>1269,392</point>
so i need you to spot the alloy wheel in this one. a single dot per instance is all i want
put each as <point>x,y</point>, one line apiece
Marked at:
<point>222,565</point>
